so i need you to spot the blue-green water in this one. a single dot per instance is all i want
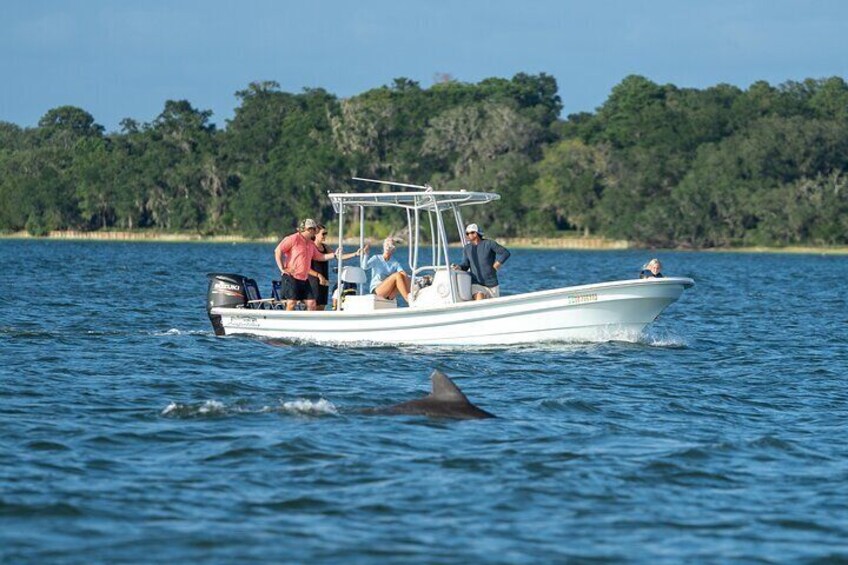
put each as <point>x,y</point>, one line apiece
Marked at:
<point>129,433</point>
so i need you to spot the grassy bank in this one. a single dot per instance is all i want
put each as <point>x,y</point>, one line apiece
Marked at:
<point>136,236</point>
<point>575,242</point>
<point>807,249</point>
<point>528,242</point>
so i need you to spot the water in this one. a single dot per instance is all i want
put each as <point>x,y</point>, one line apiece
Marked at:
<point>129,433</point>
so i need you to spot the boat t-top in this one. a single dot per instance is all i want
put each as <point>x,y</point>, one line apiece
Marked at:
<point>441,309</point>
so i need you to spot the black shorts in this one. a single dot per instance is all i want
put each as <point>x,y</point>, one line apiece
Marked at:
<point>319,292</point>
<point>294,289</point>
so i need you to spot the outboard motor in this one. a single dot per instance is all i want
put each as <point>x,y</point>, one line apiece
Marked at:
<point>225,290</point>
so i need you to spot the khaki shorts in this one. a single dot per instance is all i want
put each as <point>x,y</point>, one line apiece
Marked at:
<point>487,291</point>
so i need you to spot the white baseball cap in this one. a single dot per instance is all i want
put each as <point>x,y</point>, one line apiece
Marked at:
<point>473,227</point>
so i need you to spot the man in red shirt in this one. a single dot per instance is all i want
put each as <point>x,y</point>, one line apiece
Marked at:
<point>294,256</point>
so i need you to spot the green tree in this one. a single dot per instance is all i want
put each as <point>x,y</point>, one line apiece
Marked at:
<point>463,136</point>
<point>301,166</point>
<point>570,184</point>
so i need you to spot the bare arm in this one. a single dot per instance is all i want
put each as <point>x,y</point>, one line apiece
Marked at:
<point>318,256</point>
<point>279,256</point>
<point>321,278</point>
<point>350,255</point>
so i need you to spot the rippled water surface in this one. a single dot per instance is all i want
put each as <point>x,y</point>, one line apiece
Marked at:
<point>129,433</point>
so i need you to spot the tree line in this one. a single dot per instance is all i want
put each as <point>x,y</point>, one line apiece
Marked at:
<point>655,164</point>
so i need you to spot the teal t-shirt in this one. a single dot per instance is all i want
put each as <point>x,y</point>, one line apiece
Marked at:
<point>380,269</point>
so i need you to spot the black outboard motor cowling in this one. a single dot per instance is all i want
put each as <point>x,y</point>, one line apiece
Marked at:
<point>227,290</point>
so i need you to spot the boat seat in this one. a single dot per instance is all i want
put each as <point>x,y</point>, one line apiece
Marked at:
<point>353,280</point>
<point>277,296</point>
<point>367,303</point>
<point>254,299</point>
<point>355,275</point>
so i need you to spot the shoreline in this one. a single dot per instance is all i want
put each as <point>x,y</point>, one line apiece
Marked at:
<point>552,243</point>
<point>130,236</point>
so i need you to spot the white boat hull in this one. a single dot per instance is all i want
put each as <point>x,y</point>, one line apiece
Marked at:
<point>596,312</point>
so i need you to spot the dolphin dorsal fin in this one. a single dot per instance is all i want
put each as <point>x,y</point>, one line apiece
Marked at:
<point>444,388</point>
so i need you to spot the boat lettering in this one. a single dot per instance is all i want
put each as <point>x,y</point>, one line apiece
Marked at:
<point>244,323</point>
<point>224,286</point>
<point>582,298</point>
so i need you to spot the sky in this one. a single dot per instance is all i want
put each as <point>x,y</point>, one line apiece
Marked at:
<point>121,59</point>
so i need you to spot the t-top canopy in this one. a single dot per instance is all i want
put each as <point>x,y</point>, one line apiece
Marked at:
<point>427,201</point>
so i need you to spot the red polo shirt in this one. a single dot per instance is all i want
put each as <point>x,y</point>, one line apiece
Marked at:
<point>298,252</point>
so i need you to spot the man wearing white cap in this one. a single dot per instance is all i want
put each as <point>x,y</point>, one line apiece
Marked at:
<point>483,257</point>
<point>294,256</point>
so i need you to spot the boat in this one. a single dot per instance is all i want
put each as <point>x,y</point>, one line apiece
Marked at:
<point>441,310</point>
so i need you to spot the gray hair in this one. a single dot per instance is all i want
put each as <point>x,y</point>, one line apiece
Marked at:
<point>651,263</point>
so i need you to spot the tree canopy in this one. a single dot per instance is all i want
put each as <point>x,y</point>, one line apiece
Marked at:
<point>655,164</point>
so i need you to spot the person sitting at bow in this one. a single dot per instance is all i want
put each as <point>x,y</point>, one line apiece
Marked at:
<point>651,270</point>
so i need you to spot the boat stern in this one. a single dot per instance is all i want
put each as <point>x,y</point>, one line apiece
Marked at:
<point>224,290</point>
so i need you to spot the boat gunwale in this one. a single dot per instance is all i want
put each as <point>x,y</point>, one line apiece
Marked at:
<point>509,300</point>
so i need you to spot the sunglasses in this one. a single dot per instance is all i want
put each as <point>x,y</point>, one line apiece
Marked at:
<point>323,233</point>
<point>470,232</point>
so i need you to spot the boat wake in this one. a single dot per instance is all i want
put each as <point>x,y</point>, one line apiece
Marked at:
<point>217,409</point>
<point>306,407</point>
<point>209,408</point>
<point>664,340</point>
<point>649,337</point>
<point>361,344</point>
<point>15,332</point>
<point>175,331</point>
